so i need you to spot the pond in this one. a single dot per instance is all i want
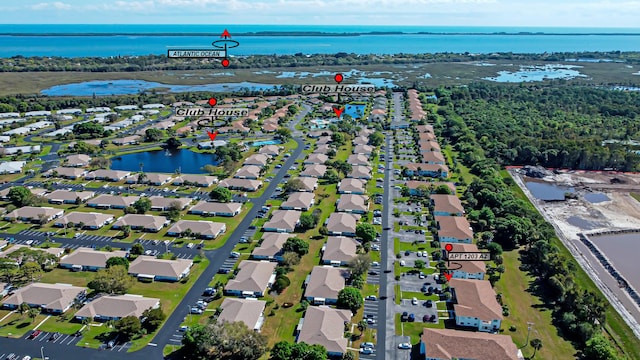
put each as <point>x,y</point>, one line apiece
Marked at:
<point>163,161</point>
<point>595,198</point>
<point>547,191</point>
<point>622,250</point>
<point>537,73</point>
<point>124,87</point>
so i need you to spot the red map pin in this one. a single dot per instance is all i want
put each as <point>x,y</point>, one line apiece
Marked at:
<point>212,135</point>
<point>213,101</point>
<point>225,62</point>
<point>448,247</point>
<point>448,275</point>
<point>338,78</point>
<point>338,111</point>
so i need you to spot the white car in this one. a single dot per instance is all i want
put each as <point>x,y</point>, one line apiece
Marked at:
<point>235,255</point>
<point>375,263</point>
<point>402,263</point>
<point>29,242</point>
<point>367,351</point>
<point>404,346</point>
<point>418,254</point>
<point>414,301</point>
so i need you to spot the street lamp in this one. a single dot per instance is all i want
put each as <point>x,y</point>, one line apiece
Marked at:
<point>42,352</point>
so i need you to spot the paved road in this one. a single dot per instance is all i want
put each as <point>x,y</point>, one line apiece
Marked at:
<point>216,259</point>
<point>384,260</point>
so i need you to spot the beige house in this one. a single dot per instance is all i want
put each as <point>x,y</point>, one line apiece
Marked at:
<point>249,311</point>
<point>270,150</point>
<point>116,307</point>
<point>65,172</point>
<point>316,158</point>
<point>161,203</point>
<point>342,224</point>
<point>51,298</point>
<point>339,250</point>
<point>203,229</point>
<point>248,172</point>
<point>127,140</point>
<point>156,178</point>
<point>89,220</point>
<point>454,229</point>
<point>68,197</point>
<point>78,160</point>
<point>352,186</point>
<point>106,201</point>
<point>195,180</point>
<point>83,259</point>
<point>475,305</point>
<point>298,201</point>
<point>151,268</point>
<point>271,246</point>
<point>283,221</point>
<point>446,205</point>
<point>456,344</point>
<point>34,214</point>
<point>309,184</point>
<point>253,279</point>
<point>358,159</point>
<point>324,326</point>
<point>208,208</point>
<point>324,284</point>
<point>363,149</point>
<point>360,172</point>
<point>148,223</point>
<point>241,184</point>
<point>465,269</point>
<point>260,160</point>
<point>109,175</point>
<point>315,170</point>
<point>353,203</point>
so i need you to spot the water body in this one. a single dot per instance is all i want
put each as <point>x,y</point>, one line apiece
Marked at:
<point>547,191</point>
<point>131,40</point>
<point>596,197</point>
<point>583,224</point>
<point>266,142</point>
<point>622,250</point>
<point>125,87</point>
<point>161,161</point>
<point>537,73</point>
<point>356,111</point>
<point>361,77</point>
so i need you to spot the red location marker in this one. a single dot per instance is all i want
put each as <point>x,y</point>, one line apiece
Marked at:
<point>225,34</point>
<point>225,62</point>
<point>448,275</point>
<point>448,247</point>
<point>213,101</point>
<point>338,111</point>
<point>212,135</point>
<point>338,78</point>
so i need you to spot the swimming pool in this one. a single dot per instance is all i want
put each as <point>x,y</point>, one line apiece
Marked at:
<point>266,142</point>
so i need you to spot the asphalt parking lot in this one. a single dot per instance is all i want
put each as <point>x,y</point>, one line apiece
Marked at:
<point>46,337</point>
<point>412,283</point>
<point>419,310</point>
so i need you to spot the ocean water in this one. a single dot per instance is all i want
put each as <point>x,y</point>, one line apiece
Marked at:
<point>97,40</point>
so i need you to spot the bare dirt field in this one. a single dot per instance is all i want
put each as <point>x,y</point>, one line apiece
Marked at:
<point>601,202</point>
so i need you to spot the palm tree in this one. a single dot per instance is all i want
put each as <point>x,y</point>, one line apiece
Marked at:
<point>536,344</point>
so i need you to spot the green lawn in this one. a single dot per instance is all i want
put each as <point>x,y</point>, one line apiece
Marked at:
<point>17,325</point>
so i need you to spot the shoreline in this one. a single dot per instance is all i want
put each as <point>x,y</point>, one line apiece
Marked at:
<point>315,33</point>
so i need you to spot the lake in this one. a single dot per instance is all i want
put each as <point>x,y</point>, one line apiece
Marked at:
<point>622,250</point>
<point>538,73</point>
<point>547,191</point>
<point>161,161</point>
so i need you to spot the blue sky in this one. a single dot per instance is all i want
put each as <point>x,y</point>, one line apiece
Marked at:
<point>525,13</point>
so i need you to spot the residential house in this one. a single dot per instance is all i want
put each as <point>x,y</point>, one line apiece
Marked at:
<point>315,170</point>
<point>148,223</point>
<point>323,284</point>
<point>208,208</point>
<point>51,298</point>
<point>447,344</point>
<point>84,220</point>
<point>109,175</point>
<point>431,170</point>
<point>202,229</point>
<point>426,136</point>
<point>68,197</point>
<point>352,186</point>
<point>253,279</point>
<point>454,229</point>
<point>106,201</point>
<point>298,201</point>
<point>465,269</point>
<point>360,141</point>
<point>153,269</point>
<point>360,172</point>
<point>34,214</point>
<point>342,224</point>
<point>65,172</point>
<point>127,140</point>
<point>271,246</point>
<point>249,311</point>
<point>57,252</point>
<point>358,160</point>
<point>309,184</point>
<point>446,205</point>
<point>324,326</point>
<point>251,172</point>
<point>259,160</point>
<point>422,188</point>
<point>283,221</point>
<point>433,157</point>
<point>116,307</point>
<point>241,184</point>
<point>428,146</point>
<point>270,150</point>
<point>353,203</point>
<point>161,203</point>
<point>88,259</point>
<point>475,305</point>
<point>363,149</point>
<point>156,179</point>
<point>195,180</point>
<point>78,160</point>
<point>339,250</point>
<point>12,167</point>
<point>316,158</point>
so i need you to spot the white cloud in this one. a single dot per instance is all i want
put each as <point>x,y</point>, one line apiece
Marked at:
<point>61,5</point>
<point>56,5</point>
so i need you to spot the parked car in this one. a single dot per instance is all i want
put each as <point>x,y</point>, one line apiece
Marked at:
<point>414,301</point>
<point>404,316</point>
<point>411,318</point>
<point>196,310</point>
<point>367,351</point>
<point>402,263</point>
<point>35,334</point>
<point>429,303</point>
<point>371,297</point>
<point>366,345</point>
<point>425,318</point>
<point>234,255</point>
<point>404,346</point>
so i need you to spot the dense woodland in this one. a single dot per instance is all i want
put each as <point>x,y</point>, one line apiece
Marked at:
<point>556,127</point>
<point>558,120</point>
<point>161,62</point>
